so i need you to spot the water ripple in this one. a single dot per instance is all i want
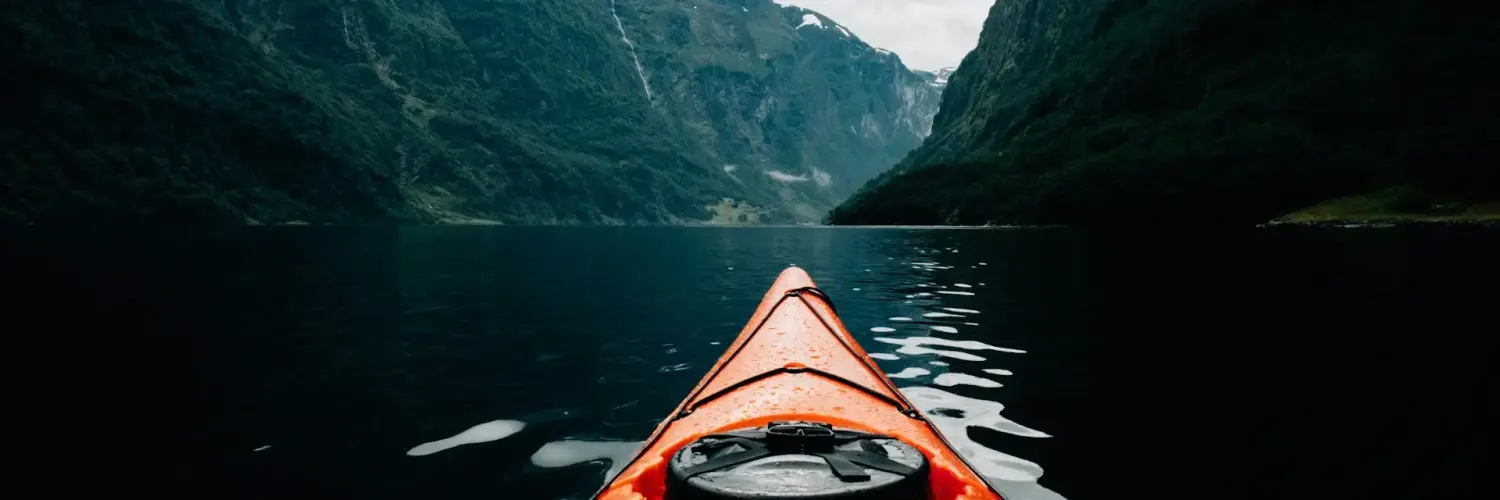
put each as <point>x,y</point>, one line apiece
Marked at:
<point>954,415</point>
<point>973,345</point>
<point>570,452</point>
<point>951,379</point>
<point>483,433</point>
<point>909,372</point>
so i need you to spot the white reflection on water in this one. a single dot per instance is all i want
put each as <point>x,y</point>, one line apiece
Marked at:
<point>910,372</point>
<point>673,368</point>
<point>570,452</point>
<point>972,345</point>
<point>884,356</point>
<point>951,379</point>
<point>1016,478</point>
<point>916,350</point>
<point>482,433</point>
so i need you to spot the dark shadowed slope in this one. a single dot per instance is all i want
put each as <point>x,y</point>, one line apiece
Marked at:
<point>1074,111</point>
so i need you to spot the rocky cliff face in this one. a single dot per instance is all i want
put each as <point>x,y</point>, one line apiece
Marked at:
<point>779,93</point>
<point>527,111</point>
<point>1083,111</point>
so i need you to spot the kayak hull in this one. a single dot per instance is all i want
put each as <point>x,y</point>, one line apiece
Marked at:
<point>795,360</point>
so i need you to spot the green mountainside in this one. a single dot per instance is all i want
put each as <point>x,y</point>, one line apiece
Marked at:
<point>515,111</point>
<point>1129,111</point>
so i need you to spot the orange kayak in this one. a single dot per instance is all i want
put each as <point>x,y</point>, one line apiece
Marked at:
<point>795,409</point>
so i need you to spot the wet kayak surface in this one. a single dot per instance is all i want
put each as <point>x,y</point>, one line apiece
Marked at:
<point>463,362</point>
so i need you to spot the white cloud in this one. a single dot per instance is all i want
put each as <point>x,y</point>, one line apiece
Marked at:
<point>927,34</point>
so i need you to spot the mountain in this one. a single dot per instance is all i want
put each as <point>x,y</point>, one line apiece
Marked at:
<point>937,79</point>
<point>941,76</point>
<point>522,111</point>
<point>1129,111</point>
<point>781,93</point>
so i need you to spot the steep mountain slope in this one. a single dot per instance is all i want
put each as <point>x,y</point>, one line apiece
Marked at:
<point>523,111</point>
<point>781,93</point>
<point>1074,111</point>
<point>941,76</point>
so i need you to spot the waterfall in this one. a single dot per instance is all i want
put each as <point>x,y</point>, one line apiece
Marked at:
<point>639,70</point>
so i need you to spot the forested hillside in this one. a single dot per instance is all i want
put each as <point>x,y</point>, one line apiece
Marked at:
<point>522,111</point>
<point>1116,111</point>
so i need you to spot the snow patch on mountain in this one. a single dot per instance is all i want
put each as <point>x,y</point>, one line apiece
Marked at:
<point>811,20</point>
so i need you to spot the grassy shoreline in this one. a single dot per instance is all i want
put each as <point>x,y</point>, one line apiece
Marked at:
<point>1394,206</point>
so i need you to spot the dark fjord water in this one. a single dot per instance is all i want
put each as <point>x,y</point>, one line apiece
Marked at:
<point>339,362</point>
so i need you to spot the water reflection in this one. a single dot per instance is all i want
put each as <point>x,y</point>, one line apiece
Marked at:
<point>951,379</point>
<point>914,316</point>
<point>952,361</point>
<point>954,415</point>
<point>909,372</point>
<point>493,430</point>
<point>482,433</point>
<point>572,452</point>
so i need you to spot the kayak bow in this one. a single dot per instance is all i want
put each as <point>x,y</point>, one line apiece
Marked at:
<point>796,409</point>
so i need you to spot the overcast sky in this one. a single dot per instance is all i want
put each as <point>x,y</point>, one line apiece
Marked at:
<point>927,34</point>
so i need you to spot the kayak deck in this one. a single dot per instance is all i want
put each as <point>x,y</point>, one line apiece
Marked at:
<point>795,360</point>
